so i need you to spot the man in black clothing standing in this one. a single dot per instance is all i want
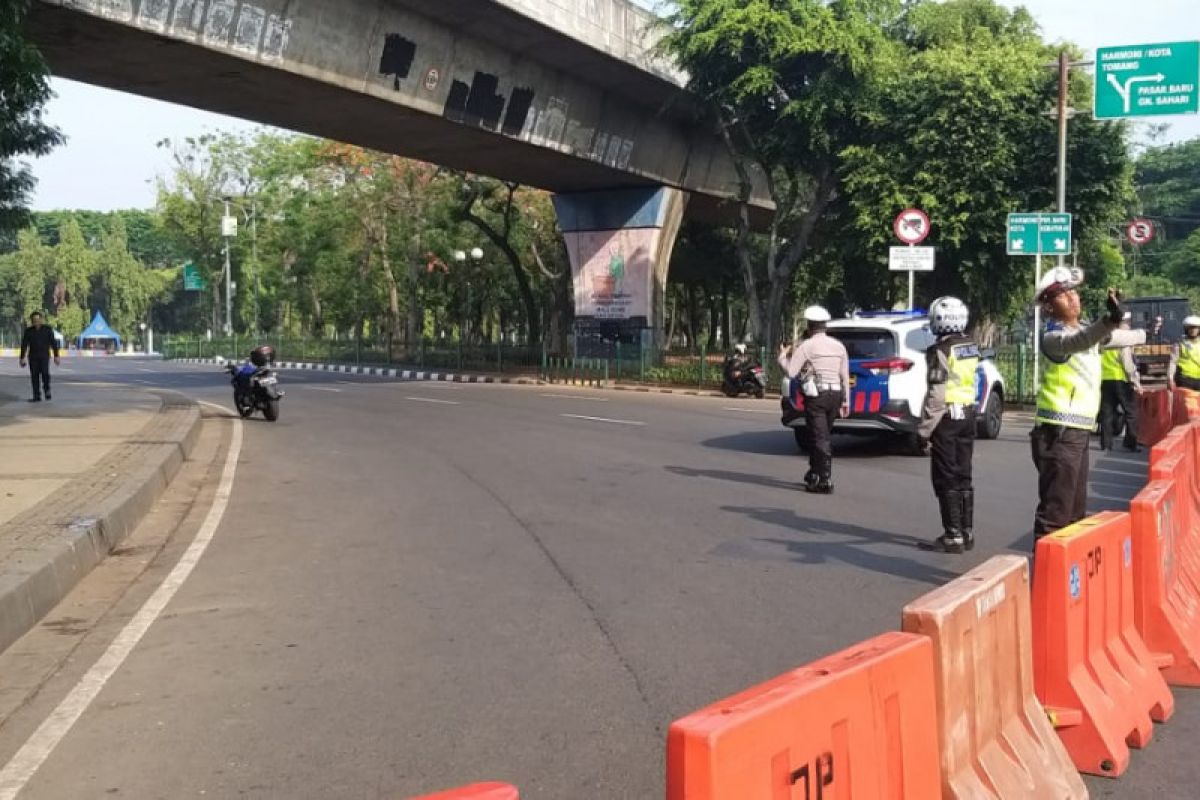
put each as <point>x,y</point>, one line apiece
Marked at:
<point>37,344</point>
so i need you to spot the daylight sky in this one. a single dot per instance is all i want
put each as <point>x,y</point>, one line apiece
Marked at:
<point>110,160</point>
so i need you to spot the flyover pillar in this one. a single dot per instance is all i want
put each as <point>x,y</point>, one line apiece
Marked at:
<point>620,243</point>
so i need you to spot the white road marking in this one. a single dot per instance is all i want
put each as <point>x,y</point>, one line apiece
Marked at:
<point>144,369</point>
<point>752,410</point>
<point>603,419</point>
<point>433,400</point>
<point>323,388</point>
<point>577,397</point>
<point>21,769</point>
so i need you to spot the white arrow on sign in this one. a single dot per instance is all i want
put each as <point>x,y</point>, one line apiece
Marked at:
<point>1060,244</point>
<point>1125,89</point>
<point>1018,244</point>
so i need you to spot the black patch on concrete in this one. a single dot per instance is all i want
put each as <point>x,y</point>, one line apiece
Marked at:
<point>456,102</point>
<point>518,110</point>
<point>397,59</point>
<point>484,105</point>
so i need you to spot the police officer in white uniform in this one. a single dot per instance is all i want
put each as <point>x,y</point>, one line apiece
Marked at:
<point>823,365</point>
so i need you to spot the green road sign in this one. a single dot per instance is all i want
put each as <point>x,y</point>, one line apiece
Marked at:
<point>1147,80</point>
<point>1039,234</point>
<point>193,281</point>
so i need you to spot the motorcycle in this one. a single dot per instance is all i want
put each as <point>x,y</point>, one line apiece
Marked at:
<point>749,379</point>
<point>255,388</point>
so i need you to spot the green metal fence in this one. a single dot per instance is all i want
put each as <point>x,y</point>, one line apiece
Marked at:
<point>1016,365</point>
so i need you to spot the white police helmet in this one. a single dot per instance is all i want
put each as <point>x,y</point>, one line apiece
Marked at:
<point>1191,322</point>
<point>1059,279</point>
<point>740,349</point>
<point>948,315</point>
<point>816,314</point>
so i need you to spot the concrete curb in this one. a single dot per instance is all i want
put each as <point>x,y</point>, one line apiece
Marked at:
<point>91,520</point>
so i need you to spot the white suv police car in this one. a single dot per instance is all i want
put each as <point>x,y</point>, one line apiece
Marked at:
<point>887,378</point>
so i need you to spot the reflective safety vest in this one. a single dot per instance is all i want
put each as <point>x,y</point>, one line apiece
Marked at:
<point>1189,358</point>
<point>960,380</point>
<point>1111,368</point>
<point>1070,392</point>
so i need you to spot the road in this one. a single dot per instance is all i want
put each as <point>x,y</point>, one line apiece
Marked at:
<point>418,585</point>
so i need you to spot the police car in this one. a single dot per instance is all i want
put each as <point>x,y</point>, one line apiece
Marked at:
<point>887,378</point>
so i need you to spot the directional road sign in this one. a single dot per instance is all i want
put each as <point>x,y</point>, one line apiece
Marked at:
<point>1146,80</point>
<point>911,226</point>
<point>193,281</point>
<point>910,259</point>
<point>1039,234</point>
<point>1140,231</point>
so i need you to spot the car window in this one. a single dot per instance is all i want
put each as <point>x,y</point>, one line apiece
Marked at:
<point>866,343</point>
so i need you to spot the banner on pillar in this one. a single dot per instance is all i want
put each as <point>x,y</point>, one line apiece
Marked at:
<point>613,272</point>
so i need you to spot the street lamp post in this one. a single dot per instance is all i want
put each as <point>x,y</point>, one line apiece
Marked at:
<point>461,258</point>
<point>228,231</point>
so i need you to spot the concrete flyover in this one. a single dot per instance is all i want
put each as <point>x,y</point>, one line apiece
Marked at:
<point>564,95</point>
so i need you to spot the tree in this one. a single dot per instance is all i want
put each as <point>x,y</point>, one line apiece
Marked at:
<point>790,86</point>
<point>23,280</point>
<point>24,90</point>
<point>70,269</point>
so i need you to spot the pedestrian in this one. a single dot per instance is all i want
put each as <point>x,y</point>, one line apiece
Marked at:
<point>1120,385</point>
<point>1069,396</point>
<point>947,423</point>
<point>823,366</point>
<point>1184,368</point>
<point>37,344</point>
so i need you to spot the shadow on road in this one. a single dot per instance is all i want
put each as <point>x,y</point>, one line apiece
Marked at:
<point>821,541</point>
<point>736,477</point>
<point>781,442</point>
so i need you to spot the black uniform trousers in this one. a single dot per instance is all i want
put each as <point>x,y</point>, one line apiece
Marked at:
<point>1184,382</point>
<point>39,373</point>
<point>819,414</point>
<point>1061,457</point>
<point>1114,395</point>
<point>952,446</point>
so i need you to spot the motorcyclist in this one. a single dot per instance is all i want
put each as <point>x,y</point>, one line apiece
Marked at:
<point>736,362</point>
<point>1184,369</point>
<point>948,421</point>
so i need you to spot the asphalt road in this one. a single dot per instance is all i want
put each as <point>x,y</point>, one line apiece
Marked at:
<point>419,585</point>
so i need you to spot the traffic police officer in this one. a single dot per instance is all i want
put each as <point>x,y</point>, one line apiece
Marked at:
<point>823,366</point>
<point>948,421</point>
<point>1069,396</point>
<point>1184,369</point>
<point>1119,385</point>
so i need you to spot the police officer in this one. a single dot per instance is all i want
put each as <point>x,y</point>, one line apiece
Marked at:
<point>948,421</point>
<point>1184,369</point>
<point>823,366</point>
<point>1119,385</point>
<point>1069,396</point>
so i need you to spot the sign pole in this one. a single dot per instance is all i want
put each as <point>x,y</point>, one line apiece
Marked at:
<point>1064,73</point>
<point>1037,320</point>
<point>911,276</point>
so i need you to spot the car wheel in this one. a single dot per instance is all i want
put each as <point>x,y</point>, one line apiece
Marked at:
<point>801,435</point>
<point>993,418</point>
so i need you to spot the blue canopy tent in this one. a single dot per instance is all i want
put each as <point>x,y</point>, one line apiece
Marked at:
<point>99,329</point>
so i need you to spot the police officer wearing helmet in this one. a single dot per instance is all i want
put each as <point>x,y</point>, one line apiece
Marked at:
<point>948,421</point>
<point>1184,369</point>
<point>823,366</point>
<point>1069,396</point>
<point>1120,385</point>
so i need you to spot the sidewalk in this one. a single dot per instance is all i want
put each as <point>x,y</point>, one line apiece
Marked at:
<point>77,474</point>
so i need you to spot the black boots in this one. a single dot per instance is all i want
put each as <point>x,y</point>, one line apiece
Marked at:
<point>958,521</point>
<point>817,484</point>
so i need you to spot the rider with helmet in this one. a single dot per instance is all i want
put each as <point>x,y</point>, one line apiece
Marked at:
<point>823,366</point>
<point>948,421</point>
<point>1184,369</point>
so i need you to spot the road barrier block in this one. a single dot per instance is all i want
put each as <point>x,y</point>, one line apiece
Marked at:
<point>1175,458</point>
<point>1185,406</point>
<point>1166,597</point>
<point>857,724</point>
<point>996,741</point>
<point>1154,416</point>
<point>476,791</point>
<point>1092,671</point>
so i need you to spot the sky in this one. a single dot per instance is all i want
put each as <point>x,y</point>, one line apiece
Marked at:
<point>110,160</point>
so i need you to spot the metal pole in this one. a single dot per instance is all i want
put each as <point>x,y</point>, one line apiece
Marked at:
<point>228,281</point>
<point>1037,321</point>
<point>254,256</point>
<point>1064,72</point>
<point>910,289</point>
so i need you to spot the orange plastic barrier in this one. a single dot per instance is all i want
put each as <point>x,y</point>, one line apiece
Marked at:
<point>476,791</point>
<point>1092,671</point>
<point>1185,406</point>
<point>998,742</point>
<point>1154,416</point>
<point>1167,597</point>
<point>856,724</point>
